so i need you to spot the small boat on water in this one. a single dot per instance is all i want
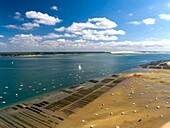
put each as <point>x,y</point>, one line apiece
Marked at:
<point>79,67</point>
<point>4,102</point>
<point>16,95</point>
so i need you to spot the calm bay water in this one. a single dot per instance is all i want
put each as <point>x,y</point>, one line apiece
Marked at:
<point>29,76</point>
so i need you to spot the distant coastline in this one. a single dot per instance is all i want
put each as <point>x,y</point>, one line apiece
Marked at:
<point>43,53</point>
<point>78,52</point>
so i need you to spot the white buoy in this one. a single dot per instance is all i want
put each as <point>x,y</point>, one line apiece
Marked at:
<point>146,106</point>
<point>158,107</point>
<point>6,87</point>
<point>111,113</point>
<point>96,114</point>
<point>106,108</point>
<point>82,121</point>
<point>132,92</point>
<point>92,126</point>
<point>130,97</point>
<point>12,62</point>
<point>122,113</point>
<point>134,111</point>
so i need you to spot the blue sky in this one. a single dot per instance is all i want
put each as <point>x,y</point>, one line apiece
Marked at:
<point>84,25</point>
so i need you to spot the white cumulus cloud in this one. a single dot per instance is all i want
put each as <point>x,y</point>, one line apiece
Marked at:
<point>54,8</point>
<point>94,29</point>
<point>60,29</point>
<point>95,33</point>
<point>164,16</point>
<point>18,16</point>
<point>102,23</point>
<point>149,21</point>
<point>30,42</point>
<point>42,18</point>
<point>11,26</point>
<point>29,26</point>
<point>135,22</point>
<point>51,36</point>
<point>25,26</point>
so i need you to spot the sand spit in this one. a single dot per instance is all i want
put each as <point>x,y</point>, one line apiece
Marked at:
<point>140,100</point>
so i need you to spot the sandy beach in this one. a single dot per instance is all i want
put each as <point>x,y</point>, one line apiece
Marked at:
<point>140,101</point>
<point>167,125</point>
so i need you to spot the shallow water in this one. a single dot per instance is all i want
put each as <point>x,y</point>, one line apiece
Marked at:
<point>28,76</point>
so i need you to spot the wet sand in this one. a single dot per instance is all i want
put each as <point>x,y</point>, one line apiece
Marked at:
<point>140,101</point>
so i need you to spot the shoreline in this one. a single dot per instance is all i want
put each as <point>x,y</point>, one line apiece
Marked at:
<point>104,99</point>
<point>79,95</point>
<point>52,92</point>
<point>134,70</point>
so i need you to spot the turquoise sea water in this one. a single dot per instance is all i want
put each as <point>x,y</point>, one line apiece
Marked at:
<point>28,76</point>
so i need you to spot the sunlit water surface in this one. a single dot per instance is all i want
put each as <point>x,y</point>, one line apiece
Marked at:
<point>28,76</point>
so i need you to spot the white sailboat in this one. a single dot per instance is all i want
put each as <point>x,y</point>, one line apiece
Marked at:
<point>79,67</point>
